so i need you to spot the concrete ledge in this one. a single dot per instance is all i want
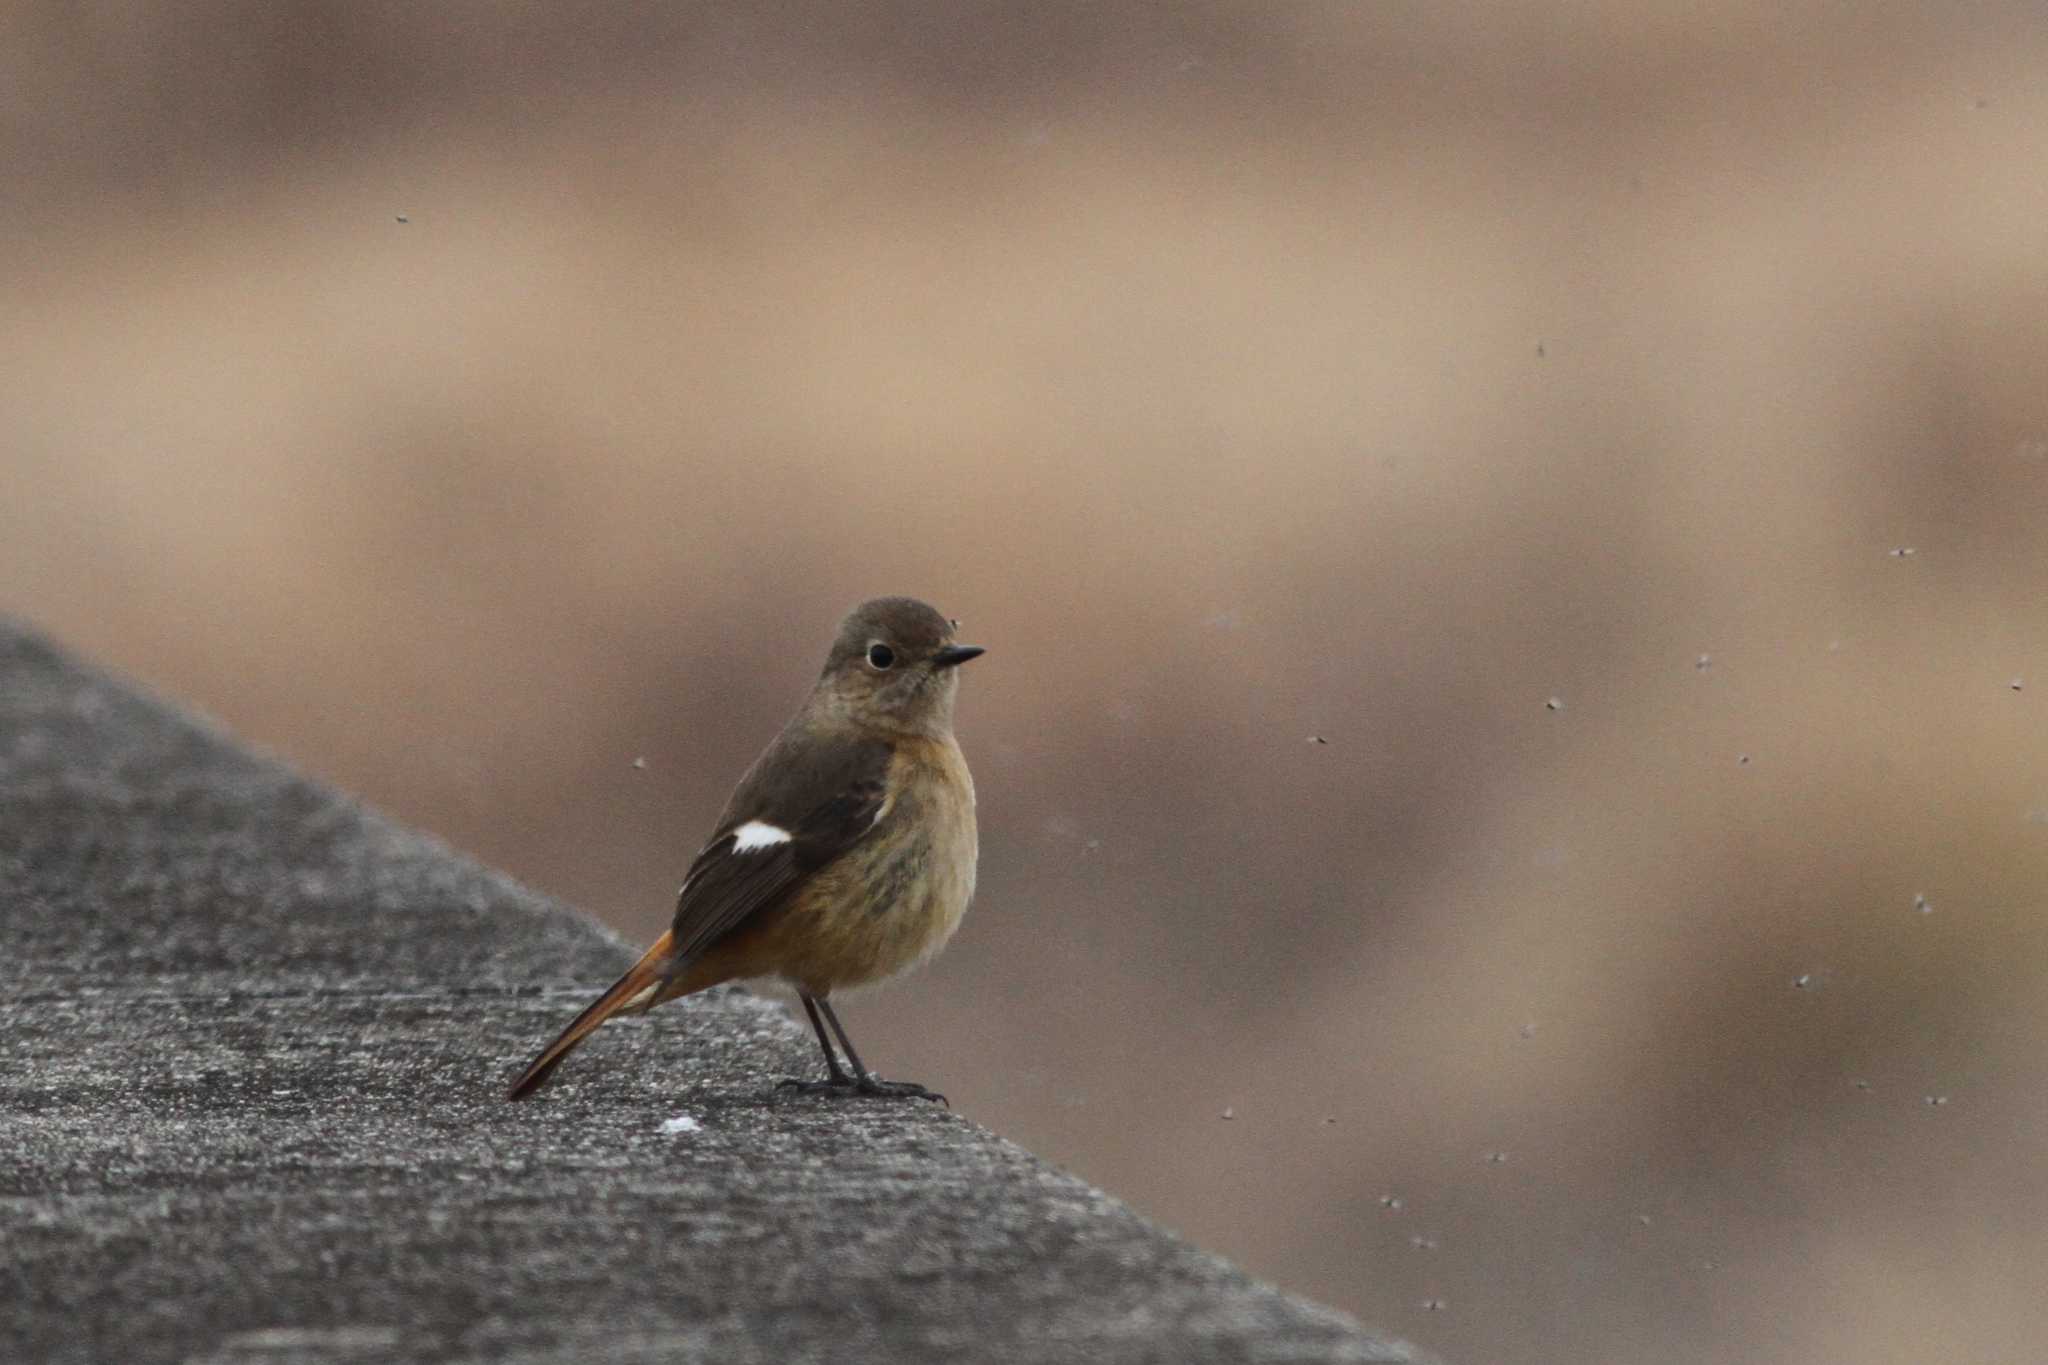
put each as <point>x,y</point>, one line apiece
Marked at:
<point>256,1037</point>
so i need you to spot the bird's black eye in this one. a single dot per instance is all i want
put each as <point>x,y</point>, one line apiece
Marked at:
<point>880,656</point>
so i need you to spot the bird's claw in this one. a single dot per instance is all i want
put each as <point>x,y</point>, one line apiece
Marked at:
<point>842,1086</point>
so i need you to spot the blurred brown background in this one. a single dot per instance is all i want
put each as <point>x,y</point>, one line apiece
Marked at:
<point>466,400</point>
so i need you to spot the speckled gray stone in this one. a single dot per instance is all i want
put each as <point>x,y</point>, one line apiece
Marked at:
<point>255,1041</point>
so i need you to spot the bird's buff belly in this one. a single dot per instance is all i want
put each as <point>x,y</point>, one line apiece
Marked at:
<point>885,907</point>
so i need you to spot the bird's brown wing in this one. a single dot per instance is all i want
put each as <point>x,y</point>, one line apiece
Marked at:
<point>824,794</point>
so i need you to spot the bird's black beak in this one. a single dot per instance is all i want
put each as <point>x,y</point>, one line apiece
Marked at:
<point>954,655</point>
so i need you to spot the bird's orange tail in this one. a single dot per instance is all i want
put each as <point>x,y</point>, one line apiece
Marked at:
<point>639,988</point>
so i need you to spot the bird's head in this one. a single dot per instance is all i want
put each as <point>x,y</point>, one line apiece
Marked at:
<point>895,668</point>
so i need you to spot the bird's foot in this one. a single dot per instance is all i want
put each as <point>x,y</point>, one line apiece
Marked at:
<point>839,1085</point>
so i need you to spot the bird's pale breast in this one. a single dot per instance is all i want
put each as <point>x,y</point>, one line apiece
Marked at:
<point>894,899</point>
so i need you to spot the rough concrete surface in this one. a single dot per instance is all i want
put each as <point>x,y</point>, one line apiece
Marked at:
<point>256,1037</point>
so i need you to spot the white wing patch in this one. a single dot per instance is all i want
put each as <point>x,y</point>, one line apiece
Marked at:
<point>756,835</point>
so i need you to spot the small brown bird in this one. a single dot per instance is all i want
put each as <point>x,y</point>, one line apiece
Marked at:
<point>845,855</point>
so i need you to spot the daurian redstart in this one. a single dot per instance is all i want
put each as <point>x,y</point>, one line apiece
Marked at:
<point>845,855</point>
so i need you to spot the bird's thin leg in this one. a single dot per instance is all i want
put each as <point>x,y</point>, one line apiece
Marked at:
<point>831,1057</point>
<point>866,1082</point>
<point>844,1041</point>
<point>835,1078</point>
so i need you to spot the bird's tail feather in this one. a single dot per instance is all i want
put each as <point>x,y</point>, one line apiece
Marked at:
<point>639,988</point>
